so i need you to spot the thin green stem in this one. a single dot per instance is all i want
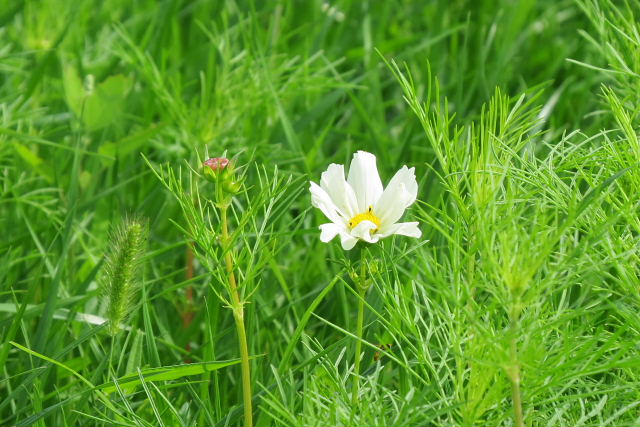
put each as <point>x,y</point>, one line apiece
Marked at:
<point>515,386</point>
<point>514,373</point>
<point>111,355</point>
<point>238,315</point>
<point>362,290</point>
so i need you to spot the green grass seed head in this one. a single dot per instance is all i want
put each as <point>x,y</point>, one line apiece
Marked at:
<point>121,278</point>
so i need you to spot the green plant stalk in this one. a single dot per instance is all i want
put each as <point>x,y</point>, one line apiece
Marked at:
<point>362,290</point>
<point>238,315</point>
<point>515,369</point>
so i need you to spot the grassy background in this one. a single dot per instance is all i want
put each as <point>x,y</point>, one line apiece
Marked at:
<point>520,120</point>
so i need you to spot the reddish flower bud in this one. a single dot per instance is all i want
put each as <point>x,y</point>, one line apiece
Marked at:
<point>214,167</point>
<point>216,163</point>
<point>224,174</point>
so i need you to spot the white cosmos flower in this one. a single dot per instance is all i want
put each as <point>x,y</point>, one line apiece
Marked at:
<point>358,207</point>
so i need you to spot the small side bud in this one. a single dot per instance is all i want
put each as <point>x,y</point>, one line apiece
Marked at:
<point>232,186</point>
<point>353,275</point>
<point>374,267</point>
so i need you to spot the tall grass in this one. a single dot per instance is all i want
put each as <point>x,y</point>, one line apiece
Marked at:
<point>518,306</point>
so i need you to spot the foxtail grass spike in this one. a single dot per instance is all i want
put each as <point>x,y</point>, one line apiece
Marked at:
<point>121,278</point>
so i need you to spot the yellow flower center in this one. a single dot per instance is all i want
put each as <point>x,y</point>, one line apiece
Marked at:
<point>367,216</point>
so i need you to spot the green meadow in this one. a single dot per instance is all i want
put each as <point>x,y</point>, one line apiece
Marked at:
<point>139,287</point>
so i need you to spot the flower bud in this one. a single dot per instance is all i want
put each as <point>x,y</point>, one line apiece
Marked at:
<point>374,267</point>
<point>223,172</point>
<point>353,275</point>
<point>231,186</point>
<point>215,167</point>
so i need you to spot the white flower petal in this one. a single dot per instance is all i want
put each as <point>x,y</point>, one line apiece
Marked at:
<point>363,231</point>
<point>339,190</point>
<point>409,229</point>
<point>391,209</point>
<point>365,180</point>
<point>328,231</point>
<point>399,194</point>
<point>348,241</point>
<point>321,200</point>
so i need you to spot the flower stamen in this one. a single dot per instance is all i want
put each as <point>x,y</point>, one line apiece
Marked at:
<point>367,216</point>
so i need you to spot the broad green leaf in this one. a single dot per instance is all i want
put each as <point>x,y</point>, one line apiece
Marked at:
<point>76,364</point>
<point>134,358</point>
<point>128,144</point>
<point>165,373</point>
<point>106,103</point>
<point>73,88</point>
<point>36,162</point>
<point>97,107</point>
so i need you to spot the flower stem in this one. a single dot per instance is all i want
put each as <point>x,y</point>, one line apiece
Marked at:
<point>362,290</point>
<point>187,314</point>
<point>238,315</point>
<point>515,368</point>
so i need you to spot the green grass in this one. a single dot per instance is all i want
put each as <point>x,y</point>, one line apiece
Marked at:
<point>519,117</point>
